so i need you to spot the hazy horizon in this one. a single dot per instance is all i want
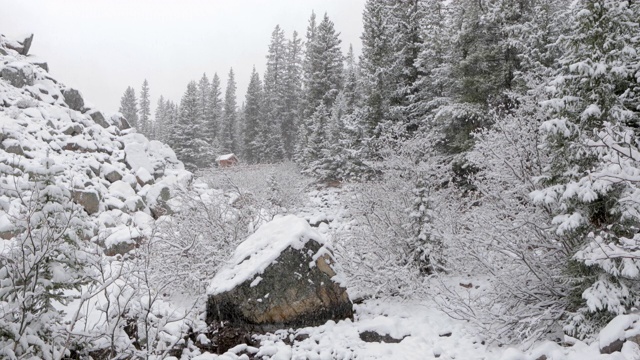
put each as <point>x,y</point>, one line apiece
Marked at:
<point>101,47</point>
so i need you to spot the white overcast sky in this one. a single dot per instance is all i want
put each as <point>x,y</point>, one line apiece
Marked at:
<point>103,46</point>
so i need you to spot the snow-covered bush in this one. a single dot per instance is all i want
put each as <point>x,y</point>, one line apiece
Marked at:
<point>44,264</point>
<point>376,255</point>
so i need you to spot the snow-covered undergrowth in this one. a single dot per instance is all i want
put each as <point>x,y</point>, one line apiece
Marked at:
<point>416,324</point>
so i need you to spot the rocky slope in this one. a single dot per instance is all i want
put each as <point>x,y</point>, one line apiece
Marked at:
<point>119,177</point>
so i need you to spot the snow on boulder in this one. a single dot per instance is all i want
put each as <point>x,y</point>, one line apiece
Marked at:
<point>136,157</point>
<point>618,331</point>
<point>156,196</point>
<point>98,118</point>
<point>21,46</point>
<point>121,240</point>
<point>119,120</point>
<point>88,199</point>
<point>110,173</point>
<point>121,190</point>
<point>282,275</point>
<point>73,98</point>
<point>143,177</point>
<point>18,74</point>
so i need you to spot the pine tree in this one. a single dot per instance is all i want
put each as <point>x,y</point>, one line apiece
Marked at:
<point>144,124</point>
<point>252,117</point>
<point>351,79</point>
<point>274,97</point>
<point>129,106</point>
<point>170,125</point>
<point>214,118</point>
<point>406,43</point>
<point>161,120</point>
<point>308,67</point>
<point>591,147</point>
<point>376,63</point>
<point>292,94</point>
<point>204,98</point>
<point>323,80</point>
<point>228,136</point>
<point>189,142</point>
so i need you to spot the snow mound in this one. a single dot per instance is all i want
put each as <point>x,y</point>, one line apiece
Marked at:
<point>261,249</point>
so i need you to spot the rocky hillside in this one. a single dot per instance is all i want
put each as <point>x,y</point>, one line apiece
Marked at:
<point>121,179</point>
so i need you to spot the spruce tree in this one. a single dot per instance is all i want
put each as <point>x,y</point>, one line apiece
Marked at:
<point>161,120</point>
<point>323,80</point>
<point>214,116</point>
<point>253,148</point>
<point>129,106</point>
<point>376,63</point>
<point>274,97</point>
<point>292,94</point>
<point>204,98</point>
<point>189,143</point>
<point>591,148</point>
<point>144,124</point>
<point>228,136</point>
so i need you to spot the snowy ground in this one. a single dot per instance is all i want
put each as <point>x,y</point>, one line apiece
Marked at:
<point>421,329</point>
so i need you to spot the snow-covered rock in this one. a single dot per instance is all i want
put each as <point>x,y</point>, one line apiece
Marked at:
<point>283,274</point>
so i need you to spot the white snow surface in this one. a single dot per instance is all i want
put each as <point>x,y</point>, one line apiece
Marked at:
<point>261,249</point>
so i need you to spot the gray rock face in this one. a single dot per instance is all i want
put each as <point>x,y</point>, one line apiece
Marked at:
<point>73,98</point>
<point>99,119</point>
<point>157,199</point>
<point>21,46</point>
<point>18,75</point>
<point>120,121</point>
<point>13,147</point>
<point>73,130</point>
<point>113,176</point>
<point>122,248</point>
<point>41,64</point>
<point>290,293</point>
<point>87,199</point>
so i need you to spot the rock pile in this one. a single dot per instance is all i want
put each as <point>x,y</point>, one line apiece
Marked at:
<point>121,179</point>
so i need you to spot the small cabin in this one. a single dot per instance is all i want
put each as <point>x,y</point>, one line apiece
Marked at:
<point>227,160</point>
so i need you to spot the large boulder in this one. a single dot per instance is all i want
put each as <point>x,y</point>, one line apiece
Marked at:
<point>18,74</point>
<point>620,330</point>
<point>73,98</point>
<point>21,46</point>
<point>88,199</point>
<point>98,118</point>
<point>281,276</point>
<point>119,120</point>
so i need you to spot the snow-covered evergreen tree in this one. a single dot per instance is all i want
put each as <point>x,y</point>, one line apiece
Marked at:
<point>188,141</point>
<point>214,118</point>
<point>228,136</point>
<point>592,150</point>
<point>376,63</point>
<point>129,106</point>
<point>161,120</point>
<point>323,80</point>
<point>274,97</point>
<point>144,120</point>
<point>253,147</point>
<point>292,94</point>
